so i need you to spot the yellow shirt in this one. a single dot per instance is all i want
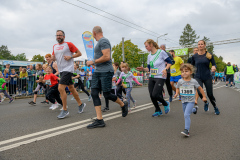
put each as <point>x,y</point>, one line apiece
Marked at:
<point>175,69</point>
<point>22,75</point>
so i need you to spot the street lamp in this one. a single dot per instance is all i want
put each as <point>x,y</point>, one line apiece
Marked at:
<point>161,36</point>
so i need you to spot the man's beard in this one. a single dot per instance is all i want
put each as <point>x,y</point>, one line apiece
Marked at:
<point>60,40</point>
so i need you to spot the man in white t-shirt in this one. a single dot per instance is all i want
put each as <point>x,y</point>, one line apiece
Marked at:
<point>63,54</point>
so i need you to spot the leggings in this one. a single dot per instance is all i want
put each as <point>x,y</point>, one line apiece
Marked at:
<point>53,94</point>
<point>169,87</point>
<point>81,86</point>
<point>187,110</point>
<point>129,96</point>
<point>5,93</point>
<point>155,87</point>
<point>39,86</point>
<point>209,90</point>
<point>107,100</point>
<point>95,96</point>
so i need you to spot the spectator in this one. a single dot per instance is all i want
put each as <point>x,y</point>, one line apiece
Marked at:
<point>13,82</point>
<point>31,79</point>
<point>7,67</point>
<point>23,76</point>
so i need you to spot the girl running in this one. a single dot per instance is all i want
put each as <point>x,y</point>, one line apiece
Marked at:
<point>79,82</point>
<point>3,87</point>
<point>186,87</point>
<point>158,73</point>
<point>201,61</point>
<point>53,94</point>
<point>126,76</point>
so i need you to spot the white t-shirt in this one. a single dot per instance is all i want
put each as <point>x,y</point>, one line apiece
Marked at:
<point>61,50</point>
<point>157,63</point>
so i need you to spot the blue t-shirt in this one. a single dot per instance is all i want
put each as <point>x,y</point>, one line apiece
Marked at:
<point>13,80</point>
<point>216,74</point>
<point>201,62</point>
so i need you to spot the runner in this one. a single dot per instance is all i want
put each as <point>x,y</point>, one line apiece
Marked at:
<point>167,82</point>
<point>175,70</point>
<point>78,81</point>
<point>63,53</point>
<point>40,85</point>
<point>158,73</point>
<point>102,77</point>
<point>229,72</point>
<point>126,77</point>
<point>117,74</point>
<point>186,87</point>
<point>51,80</point>
<point>3,88</point>
<point>52,64</point>
<point>201,61</point>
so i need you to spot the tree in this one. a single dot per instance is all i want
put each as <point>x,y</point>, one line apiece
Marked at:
<point>130,53</point>
<point>188,37</point>
<point>21,57</point>
<point>5,53</point>
<point>38,58</point>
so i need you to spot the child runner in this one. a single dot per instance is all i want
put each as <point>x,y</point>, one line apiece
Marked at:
<point>126,76</point>
<point>3,87</point>
<point>53,94</point>
<point>187,87</point>
<point>39,75</point>
<point>78,81</point>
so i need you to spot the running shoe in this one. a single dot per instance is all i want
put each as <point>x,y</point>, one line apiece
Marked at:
<point>217,112</point>
<point>226,86</point>
<point>195,109</point>
<point>3,98</point>
<point>32,103</point>
<point>167,108</point>
<point>185,133</point>
<point>54,106</point>
<point>206,107</point>
<point>62,108</point>
<point>45,102</point>
<point>135,104</point>
<point>97,123</point>
<point>51,107</point>
<point>11,100</point>
<point>73,98</point>
<point>105,109</point>
<point>81,107</point>
<point>125,109</point>
<point>159,103</point>
<point>89,98</point>
<point>157,114</point>
<point>63,114</point>
<point>170,99</point>
<point>179,98</point>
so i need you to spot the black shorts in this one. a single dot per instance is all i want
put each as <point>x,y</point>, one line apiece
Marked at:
<point>66,78</point>
<point>102,81</point>
<point>229,78</point>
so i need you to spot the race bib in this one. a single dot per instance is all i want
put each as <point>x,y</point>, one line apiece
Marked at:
<point>76,80</point>
<point>14,79</point>
<point>187,91</point>
<point>173,70</point>
<point>48,82</point>
<point>126,85</point>
<point>114,85</point>
<point>154,71</point>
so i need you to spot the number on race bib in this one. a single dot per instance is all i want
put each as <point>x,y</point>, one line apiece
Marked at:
<point>173,70</point>
<point>76,80</point>
<point>187,90</point>
<point>48,82</point>
<point>154,71</point>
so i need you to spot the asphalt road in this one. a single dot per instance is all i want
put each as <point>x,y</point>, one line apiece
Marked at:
<point>34,132</point>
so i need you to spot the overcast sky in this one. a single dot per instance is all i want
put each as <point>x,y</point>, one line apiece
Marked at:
<point>30,26</point>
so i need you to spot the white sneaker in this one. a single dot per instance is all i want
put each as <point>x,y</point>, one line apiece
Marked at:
<point>55,106</point>
<point>51,107</point>
<point>135,104</point>
<point>62,108</point>
<point>3,98</point>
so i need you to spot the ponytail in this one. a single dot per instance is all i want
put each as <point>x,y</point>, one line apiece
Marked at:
<point>150,41</point>
<point>208,55</point>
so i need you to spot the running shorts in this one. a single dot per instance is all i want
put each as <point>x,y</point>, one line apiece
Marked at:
<point>66,78</point>
<point>230,78</point>
<point>102,81</point>
<point>175,78</point>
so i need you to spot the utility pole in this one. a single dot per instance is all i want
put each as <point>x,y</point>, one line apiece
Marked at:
<point>161,36</point>
<point>123,48</point>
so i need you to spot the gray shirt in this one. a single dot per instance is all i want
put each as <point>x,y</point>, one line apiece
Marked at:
<point>102,44</point>
<point>187,90</point>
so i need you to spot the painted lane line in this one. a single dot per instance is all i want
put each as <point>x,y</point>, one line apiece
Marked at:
<point>143,107</point>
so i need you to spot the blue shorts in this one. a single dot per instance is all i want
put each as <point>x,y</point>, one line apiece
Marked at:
<point>175,78</point>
